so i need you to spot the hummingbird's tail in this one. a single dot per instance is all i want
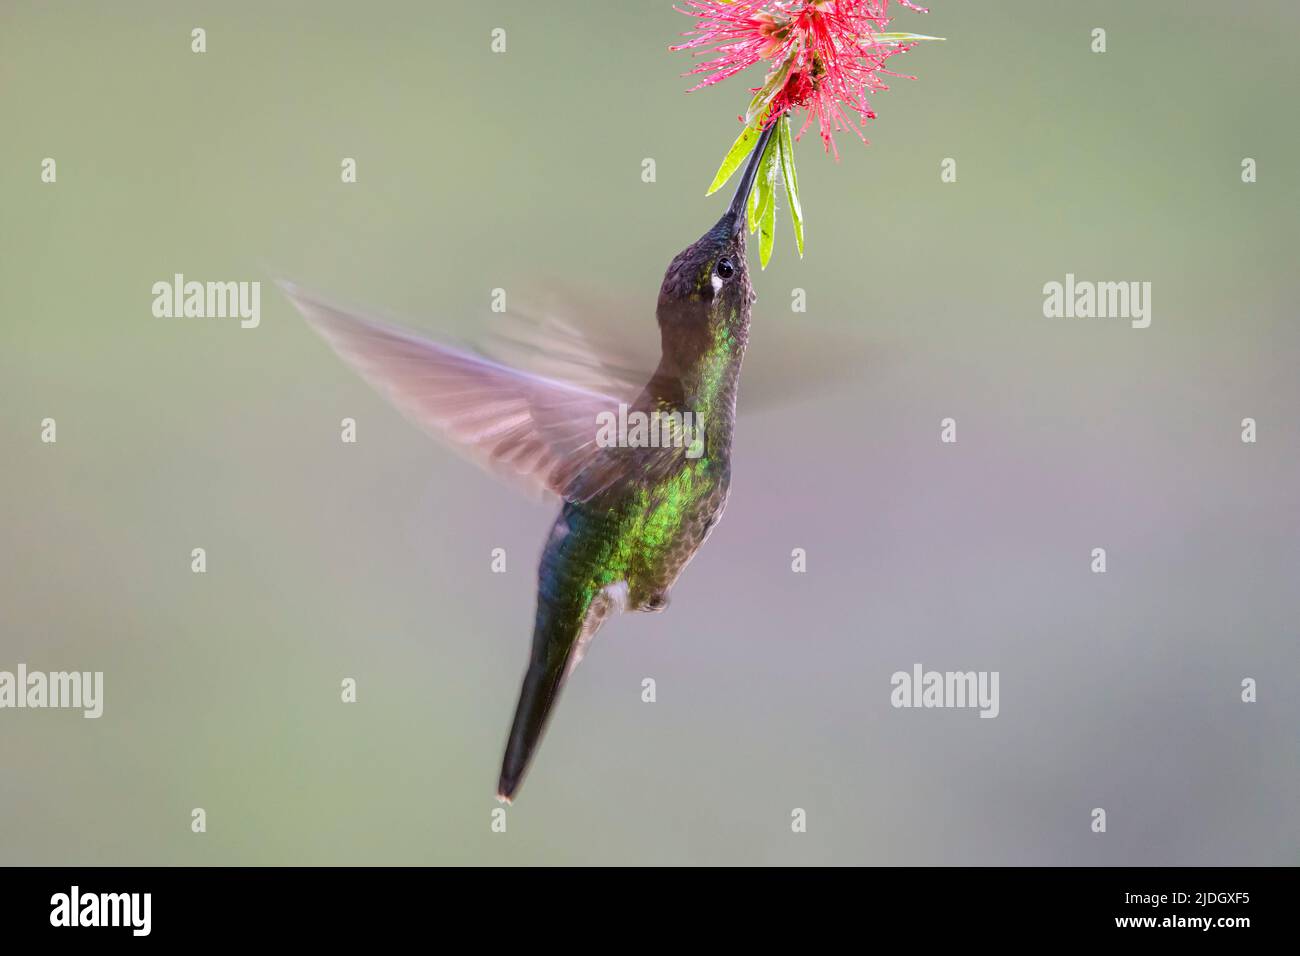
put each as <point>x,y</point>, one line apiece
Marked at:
<point>542,684</point>
<point>559,639</point>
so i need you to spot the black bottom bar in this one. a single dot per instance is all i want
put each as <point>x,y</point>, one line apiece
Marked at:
<point>374,905</point>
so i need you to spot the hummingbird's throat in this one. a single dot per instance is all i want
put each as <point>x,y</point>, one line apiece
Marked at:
<point>699,372</point>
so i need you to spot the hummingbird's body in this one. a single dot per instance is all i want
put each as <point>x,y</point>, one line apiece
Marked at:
<point>631,517</point>
<point>624,549</point>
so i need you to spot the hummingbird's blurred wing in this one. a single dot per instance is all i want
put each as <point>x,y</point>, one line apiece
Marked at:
<point>536,433</point>
<point>575,337</point>
<point>589,339</point>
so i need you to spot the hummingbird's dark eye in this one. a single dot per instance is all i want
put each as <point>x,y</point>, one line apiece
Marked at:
<point>724,268</point>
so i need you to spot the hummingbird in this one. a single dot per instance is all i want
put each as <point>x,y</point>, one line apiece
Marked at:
<point>631,515</point>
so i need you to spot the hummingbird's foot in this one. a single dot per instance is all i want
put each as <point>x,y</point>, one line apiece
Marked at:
<point>655,603</point>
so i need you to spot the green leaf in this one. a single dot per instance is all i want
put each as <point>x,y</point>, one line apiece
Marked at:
<point>899,37</point>
<point>767,213</point>
<point>742,147</point>
<point>758,106</point>
<point>758,194</point>
<point>786,145</point>
<point>754,112</point>
<point>767,231</point>
<point>787,141</point>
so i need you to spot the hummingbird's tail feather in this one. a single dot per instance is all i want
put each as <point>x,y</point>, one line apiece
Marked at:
<point>542,684</point>
<point>560,639</point>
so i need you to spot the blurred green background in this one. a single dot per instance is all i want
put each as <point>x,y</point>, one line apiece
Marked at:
<point>371,561</point>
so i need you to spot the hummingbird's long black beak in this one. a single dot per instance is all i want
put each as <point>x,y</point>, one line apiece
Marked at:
<point>737,208</point>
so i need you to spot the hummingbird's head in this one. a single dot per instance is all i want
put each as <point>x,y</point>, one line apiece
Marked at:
<point>708,281</point>
<point>706,289</point>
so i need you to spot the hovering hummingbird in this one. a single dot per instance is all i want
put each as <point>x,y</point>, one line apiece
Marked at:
<point>631,517</point>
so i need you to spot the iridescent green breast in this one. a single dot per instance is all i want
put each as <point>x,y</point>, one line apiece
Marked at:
<point>643,534</point>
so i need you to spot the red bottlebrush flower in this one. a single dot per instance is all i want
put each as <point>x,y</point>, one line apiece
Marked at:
<point>822,56</point>
<point>827,55</point>
<point>739,32</point>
